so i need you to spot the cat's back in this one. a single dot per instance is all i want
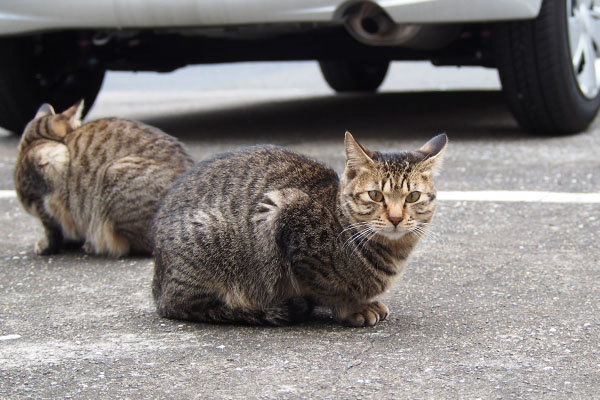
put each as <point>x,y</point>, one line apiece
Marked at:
<point>111,138</point>
<point>244,177</point>
<point>218,199</point>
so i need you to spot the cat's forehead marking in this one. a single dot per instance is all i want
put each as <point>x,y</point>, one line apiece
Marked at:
<point>387,185</point>
<point>394,173</point>
<point>394,164</point>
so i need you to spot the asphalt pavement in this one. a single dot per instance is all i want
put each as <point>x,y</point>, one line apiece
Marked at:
<point>501,300</point>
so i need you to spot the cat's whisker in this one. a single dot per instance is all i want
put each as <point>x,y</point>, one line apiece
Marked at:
<point>366,240</point>
<point>357,236</point>
<point>352,238</point>
<point>364,237</point>
<point>420,234</point>
<point>361,242</point>
<point>352,226</point>
<point>426,226</point>
<point>421,231</point>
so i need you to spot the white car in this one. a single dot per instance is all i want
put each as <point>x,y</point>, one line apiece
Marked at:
<point>546,51</point>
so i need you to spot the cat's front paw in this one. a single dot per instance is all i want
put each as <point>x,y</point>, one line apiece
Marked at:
<point>366,314</point>
<point>43,248</point>
<point>88,248</point>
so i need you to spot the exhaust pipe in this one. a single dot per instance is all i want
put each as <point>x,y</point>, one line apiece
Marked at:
<point>369,23</point>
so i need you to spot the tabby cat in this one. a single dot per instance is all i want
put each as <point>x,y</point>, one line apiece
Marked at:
<point>99,184</point>
<point>263,235</point>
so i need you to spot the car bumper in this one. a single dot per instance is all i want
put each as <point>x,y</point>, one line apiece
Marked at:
<point>18,16</point>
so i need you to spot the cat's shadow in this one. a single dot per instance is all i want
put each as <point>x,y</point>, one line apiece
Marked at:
<point>75,249</point>
<point>466,115</point>
<point>320,321</point>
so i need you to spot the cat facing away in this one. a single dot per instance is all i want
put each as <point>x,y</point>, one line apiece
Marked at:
<point>263,235</point>
<point>99,184</point>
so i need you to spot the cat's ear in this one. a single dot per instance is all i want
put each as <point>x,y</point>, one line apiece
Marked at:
<point>356,155</point>
<point>433,152</point>
<point>44,110</point>
<point>73,114</point>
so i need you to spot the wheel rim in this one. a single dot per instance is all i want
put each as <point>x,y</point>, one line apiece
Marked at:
<point>584,40</point>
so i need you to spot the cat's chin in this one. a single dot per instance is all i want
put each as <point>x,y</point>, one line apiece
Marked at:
<point>393,235</point>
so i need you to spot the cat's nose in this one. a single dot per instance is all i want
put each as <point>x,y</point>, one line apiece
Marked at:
<point>395,220</point>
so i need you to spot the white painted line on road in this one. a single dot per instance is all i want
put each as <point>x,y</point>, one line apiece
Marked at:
<point>7,194</point>
<point>9,337</point>
<point>482,195</point>
<point>520,196</point>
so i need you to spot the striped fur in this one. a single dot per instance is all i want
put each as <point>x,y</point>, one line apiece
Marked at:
<point>99,184</point>
<point>262,235</point>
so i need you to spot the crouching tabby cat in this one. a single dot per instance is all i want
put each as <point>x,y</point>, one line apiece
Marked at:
<point>262,235</point>
<point>100,183</point>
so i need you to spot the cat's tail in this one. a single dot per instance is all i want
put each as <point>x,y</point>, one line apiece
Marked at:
<point>291,311</point>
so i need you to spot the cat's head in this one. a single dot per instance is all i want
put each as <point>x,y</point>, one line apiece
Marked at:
<point>391,194</point>
<point>42,157</point>
<point>48,125</point>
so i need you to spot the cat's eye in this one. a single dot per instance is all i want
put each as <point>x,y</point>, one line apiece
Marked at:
<point>413,196</point>
<point>376,195</point>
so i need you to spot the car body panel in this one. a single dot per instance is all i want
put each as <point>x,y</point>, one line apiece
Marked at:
<point>20,16</point>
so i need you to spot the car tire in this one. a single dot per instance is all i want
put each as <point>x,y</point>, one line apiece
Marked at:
<point>354,76</point>
<point>34,72</point>
<point>545,91</point>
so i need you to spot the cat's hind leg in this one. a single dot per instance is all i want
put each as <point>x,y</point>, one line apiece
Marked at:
<point>102,238</point>
<point>57,221</point>
<point>53,237</point>
<point>178,297</point>
<point>128,196</point>
<point>210,308</point>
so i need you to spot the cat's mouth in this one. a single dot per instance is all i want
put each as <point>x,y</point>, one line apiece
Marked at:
<point>394,233</point>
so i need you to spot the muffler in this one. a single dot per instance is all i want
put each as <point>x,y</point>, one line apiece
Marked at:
<point>368,23</point>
